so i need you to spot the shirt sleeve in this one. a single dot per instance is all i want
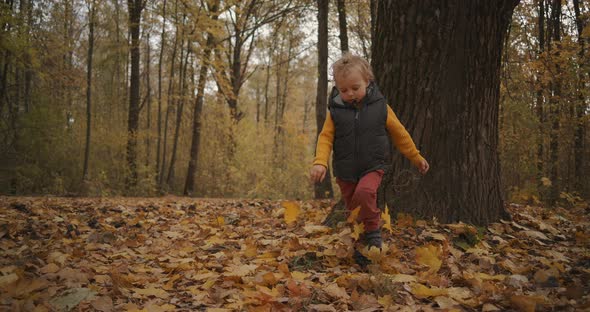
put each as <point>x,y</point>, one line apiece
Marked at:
<point>401,138</point>
<point>325,142</point>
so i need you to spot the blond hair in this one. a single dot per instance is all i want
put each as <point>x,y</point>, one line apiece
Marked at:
<point>349,61</point>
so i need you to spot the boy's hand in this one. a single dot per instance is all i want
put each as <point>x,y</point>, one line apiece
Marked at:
<point>318,173</point>
<point>423,166</point>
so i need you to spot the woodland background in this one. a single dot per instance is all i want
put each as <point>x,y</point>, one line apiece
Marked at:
<point>240,77</point>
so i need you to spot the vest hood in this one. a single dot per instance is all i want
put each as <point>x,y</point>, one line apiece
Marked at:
<point>373,95</point>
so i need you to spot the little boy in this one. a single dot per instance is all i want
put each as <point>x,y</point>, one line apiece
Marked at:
<point>358,128</point>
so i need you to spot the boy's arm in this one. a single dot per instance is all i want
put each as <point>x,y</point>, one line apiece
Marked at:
<point>325,141</point>
<point>402,139</point>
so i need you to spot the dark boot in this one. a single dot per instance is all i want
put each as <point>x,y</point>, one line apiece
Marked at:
<point>373,238</point>
<point>369,239</point>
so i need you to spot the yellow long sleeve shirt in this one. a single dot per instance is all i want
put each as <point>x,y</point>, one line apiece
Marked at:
<point>401,138</point>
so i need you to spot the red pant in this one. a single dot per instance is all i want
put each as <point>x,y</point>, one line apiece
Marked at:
<point>364,194</point>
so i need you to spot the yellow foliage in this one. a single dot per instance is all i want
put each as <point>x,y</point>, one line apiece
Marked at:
<point>386,217</point>
<point>291,211</point>
<point>353,215</point>
<point>429,255</point>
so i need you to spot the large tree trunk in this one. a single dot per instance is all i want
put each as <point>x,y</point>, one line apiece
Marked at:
<point>323,189</point>
<point>89,88</point>
<point>135,8</point>
<point>439,65</point>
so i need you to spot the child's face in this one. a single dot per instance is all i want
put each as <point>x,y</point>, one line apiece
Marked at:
<point>352,86</point>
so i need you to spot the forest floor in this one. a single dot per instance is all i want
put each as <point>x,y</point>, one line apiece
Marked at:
<point>175,253</point>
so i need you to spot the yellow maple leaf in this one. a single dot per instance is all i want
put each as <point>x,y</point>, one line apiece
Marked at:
<point>376,255</point>
<point>353,215</point>
<point>151,291</point>
<point>220,221</point>
<point>386,301</point>
<point>250,249</point>
<point>429,255</point>
<point>422,291</point>
<point>386,217</point>
<point>292,210</point>
<point>359,228</point>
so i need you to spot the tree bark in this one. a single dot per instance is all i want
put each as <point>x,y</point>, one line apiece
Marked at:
<point>189,186</point>
<point>180,107</point>
<point>581,107</point>
<point>342,24</point>
<point>135,7</point>
<point>91,13</point>
<point>539,99</point>
<point>148,139</point>
<point>160,61</point>
<point>554,109</point>
<point>170,100</point>
<point>323,189</point>
<point>439,65</point>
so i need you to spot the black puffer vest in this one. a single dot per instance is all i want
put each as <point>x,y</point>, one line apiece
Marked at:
<point>361,141</point>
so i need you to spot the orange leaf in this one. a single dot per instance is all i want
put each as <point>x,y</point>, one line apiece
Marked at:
<point>291,211</point>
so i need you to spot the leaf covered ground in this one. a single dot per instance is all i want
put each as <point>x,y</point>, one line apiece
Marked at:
<point>171,253</point>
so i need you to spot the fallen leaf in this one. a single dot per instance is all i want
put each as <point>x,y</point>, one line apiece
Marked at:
<point>49,268</point>
<point>240,270</point>
<point>337,292</point>
<point>151,291</point>
<point>359,228</point>
<point>422,291</point>
<point>311,229</point>
<point>526,303</point>
<point>445,302</point>
<point>71,298</point>
<point>103,303</point>
<point>353,215</point>
<point>7,280</point>
<point>429,255</point>
<point>321,308</point>
<point>402,278</point>
<point>292,210</point>
<point>386,217</point>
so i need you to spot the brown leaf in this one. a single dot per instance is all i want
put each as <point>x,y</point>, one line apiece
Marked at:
<point>337,292</point>
<point>103,303</point>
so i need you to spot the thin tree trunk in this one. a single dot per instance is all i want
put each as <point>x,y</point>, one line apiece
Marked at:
<point>266,85</point>
<point>539,98</point>
<point>323,189</point>
<point>342,24</point>
<point>89,88</point>
<point>554,106</point>
<point>170,99</point>
<point>160,61</point>
<point>179,112</point>
<point>149,102</point>
<point>581,107</point>
<point>28,72</point>
<point>135,7</point>
<point>189,186</point>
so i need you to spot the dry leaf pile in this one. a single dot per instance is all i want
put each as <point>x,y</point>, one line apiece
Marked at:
<point>168,254</point>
